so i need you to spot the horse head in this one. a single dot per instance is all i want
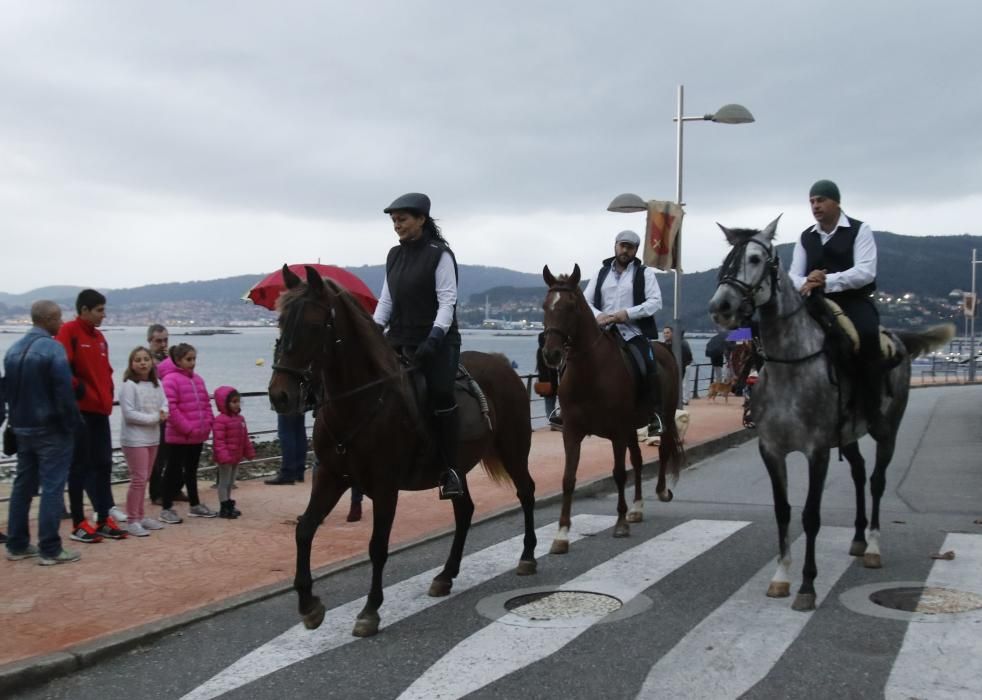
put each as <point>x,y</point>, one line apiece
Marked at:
<point>748,276</point>
<point>307,334</point>
<point>563,309</point>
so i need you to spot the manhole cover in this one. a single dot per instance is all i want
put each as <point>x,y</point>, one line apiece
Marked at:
<point>929,600</point>
<point>557,605</point>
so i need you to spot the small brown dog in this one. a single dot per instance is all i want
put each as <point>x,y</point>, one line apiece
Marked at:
<point>723,389</point>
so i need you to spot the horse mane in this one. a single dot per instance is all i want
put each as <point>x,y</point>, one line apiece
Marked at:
<point>373,348</point>
<point>742,234</point>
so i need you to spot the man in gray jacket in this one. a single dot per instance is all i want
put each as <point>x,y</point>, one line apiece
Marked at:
<point>44,416</point>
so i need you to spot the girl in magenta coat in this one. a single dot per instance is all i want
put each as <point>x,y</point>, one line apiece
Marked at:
<point>231,445</point>
<point>188,426</point>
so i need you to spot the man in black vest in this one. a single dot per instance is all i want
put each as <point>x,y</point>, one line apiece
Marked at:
<point>418,305</point>
<point>625,292</point>
<point>838,256</point>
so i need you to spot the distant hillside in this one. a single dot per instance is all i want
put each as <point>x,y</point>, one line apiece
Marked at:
<point>928,267</point>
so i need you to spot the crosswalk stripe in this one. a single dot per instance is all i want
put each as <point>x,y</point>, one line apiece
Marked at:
<point>940,656</point>
<point>507,645</point>
<point>739,642</point>
<point>401,600</point>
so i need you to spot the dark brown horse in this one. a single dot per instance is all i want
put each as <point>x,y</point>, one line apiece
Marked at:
<point>599,396</point>
<point>369,431</point>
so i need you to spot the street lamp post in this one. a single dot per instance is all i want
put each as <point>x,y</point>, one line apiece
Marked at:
<point>727,114</point>
<point>971,320</point>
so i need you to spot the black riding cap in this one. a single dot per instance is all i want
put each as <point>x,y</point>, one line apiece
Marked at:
<point>413,201</point>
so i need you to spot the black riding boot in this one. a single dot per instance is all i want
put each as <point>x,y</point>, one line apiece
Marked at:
<point>447,436</point>
<point>871,386</point>
<point>655,426</point>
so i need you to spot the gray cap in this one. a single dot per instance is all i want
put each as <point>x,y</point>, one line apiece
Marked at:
<point>413,201</point>
<point>628,237</point>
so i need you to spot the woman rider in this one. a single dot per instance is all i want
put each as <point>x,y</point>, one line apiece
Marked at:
<point>418,304</point>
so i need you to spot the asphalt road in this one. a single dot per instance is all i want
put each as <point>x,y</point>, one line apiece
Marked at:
<point>689,583</point>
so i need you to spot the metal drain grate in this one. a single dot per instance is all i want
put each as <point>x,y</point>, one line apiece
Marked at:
<point>929,600</point>
<point>557,605</point>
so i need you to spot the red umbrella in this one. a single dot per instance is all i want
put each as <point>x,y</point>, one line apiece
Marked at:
<point>266,292</point>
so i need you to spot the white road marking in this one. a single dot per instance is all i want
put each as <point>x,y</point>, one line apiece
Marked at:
<point>502,648</point>
<point>739,642</point>
<point>941,656</point>
<point>401,600</point>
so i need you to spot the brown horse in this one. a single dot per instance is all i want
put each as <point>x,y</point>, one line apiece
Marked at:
<point>599,396</point>
<point>369,431</point>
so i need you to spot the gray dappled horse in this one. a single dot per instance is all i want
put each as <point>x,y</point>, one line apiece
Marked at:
<point>798,408</point>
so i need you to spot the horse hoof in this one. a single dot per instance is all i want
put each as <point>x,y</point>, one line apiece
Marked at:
<point>527,567</point>
<point>803,602</point>
<point>872,561</point>
<point>559,547</point>
<point>315,617</point>
<point>635,516</point>
<point>622,530</point>
<point>366,626</point>
<point>439,588</point>
<point>779,589</point>
<point>666,496</point>
<point>857,548</point>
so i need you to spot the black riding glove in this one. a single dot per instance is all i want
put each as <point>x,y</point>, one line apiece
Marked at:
<point>428,347</point>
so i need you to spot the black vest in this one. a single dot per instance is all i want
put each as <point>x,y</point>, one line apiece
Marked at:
<point>410,271</point>
<point>647,325</point>
<point>835,256</point>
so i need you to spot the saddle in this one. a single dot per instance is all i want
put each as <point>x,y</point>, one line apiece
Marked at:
<point>888,350</point>
<point>634,362</point>
<point>473,414</point>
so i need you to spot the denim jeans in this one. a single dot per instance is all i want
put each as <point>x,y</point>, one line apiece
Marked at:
<point>43,459</point>
<point>292,433</point>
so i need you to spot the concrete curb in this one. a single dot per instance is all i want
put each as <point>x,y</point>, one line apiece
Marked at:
<point>43,668</point>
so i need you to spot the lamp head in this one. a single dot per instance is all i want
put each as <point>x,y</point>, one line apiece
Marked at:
<point>731,114</point>
<point>627,204</point>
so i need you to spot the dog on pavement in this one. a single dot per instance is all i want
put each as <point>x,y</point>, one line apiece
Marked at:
<point>723,389</point>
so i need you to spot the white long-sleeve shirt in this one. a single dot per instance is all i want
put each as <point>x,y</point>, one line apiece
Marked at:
<point>862,272</point>
<point>446,296</point>
<point>617,292</point>
<point>141,404</point>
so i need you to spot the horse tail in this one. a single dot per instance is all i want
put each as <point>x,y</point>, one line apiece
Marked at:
<point>495,469</point>
<point>671,452</point>
<point>923,342</point>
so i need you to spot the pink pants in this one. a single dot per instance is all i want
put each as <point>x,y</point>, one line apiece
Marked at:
<point>140,462</point>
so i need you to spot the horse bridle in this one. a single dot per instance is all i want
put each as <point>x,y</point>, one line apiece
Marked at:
<point>731,266</point>
<point>566,339</point>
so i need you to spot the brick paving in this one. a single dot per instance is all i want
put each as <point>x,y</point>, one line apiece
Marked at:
<point>120,585</point>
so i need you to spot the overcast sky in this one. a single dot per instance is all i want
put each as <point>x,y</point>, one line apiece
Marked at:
<point>168,141</point>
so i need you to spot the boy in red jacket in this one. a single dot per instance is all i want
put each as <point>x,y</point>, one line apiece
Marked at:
<point>92,378</point>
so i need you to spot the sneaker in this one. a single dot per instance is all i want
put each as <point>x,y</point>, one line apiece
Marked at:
<point>111,529</point>
<point>136,529</point>
<point>30,552</point>
<point>118,515</point>
<point>167,515</point>
<point>65,556</point>
<point>202,511</point>
<point>151,524</point>
<point>86,532</point>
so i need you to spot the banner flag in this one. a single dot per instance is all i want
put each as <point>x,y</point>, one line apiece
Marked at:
<point>969,304</point>
<point>661,232</point>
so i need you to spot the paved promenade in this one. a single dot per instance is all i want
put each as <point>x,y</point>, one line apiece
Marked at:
<point>135,588</point>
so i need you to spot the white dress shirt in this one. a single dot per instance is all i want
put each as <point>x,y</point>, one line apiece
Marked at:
<point>862,272</point>
<point>446,296</point>
<point>617,292</point>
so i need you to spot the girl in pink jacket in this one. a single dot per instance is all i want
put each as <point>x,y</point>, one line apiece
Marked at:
<point>188,426</point>
<point>231,445</point>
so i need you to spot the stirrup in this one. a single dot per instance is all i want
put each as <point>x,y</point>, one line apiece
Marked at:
<point>655,426</point>
<point>450,485</point>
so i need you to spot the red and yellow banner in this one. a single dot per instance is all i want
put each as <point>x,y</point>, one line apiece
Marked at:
<point>661,232</point>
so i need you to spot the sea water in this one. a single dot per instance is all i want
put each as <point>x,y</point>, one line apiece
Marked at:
<point>244,360</point>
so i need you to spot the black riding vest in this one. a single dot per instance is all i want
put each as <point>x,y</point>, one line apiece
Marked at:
<point>647,325</point>
<point>410,271</point>
<point>835,256</point>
